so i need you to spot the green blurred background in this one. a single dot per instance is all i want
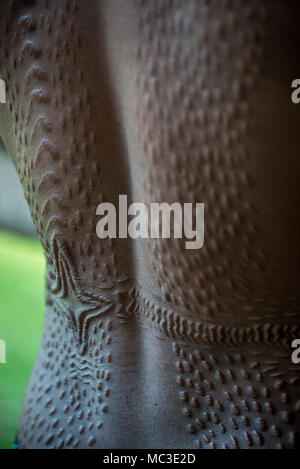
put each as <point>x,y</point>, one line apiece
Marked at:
<point>22,269</point>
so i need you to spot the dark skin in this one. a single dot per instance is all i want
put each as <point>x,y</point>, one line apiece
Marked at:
<point>147,344</point>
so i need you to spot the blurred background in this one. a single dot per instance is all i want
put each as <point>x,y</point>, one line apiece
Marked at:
<point>22,270</point>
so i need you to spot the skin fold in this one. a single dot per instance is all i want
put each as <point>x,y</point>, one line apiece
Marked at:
<point>147,344</point>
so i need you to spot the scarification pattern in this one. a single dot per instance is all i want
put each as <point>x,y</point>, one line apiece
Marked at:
<point>70,395</point>
<point>151,311</point>
<point>185,117</point>
<point>57,157</point>
<point>193,122</point>
<point>237,400</point>
<point>59,165</point>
